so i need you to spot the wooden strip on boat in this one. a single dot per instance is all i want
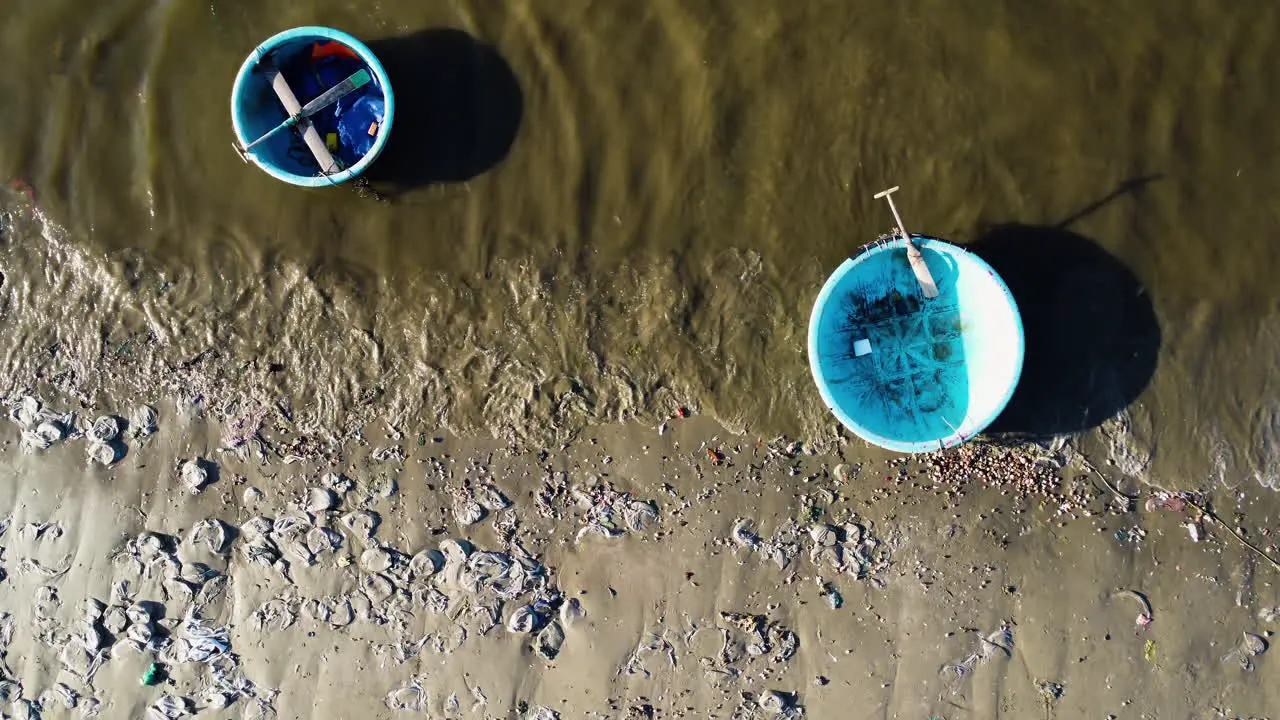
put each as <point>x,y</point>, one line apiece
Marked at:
<point>310,135</point>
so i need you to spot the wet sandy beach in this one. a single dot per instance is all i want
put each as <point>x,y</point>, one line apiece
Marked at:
<point>692,573</point>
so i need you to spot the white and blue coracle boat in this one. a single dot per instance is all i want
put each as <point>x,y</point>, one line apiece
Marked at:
<point>915,344</point>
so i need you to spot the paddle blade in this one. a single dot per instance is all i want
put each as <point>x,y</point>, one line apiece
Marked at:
<point>358,79</point>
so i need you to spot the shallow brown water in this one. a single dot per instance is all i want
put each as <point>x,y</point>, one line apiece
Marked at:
<point>604,210</point>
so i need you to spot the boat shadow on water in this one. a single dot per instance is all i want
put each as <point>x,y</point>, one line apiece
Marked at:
<point>458,109</point>
<point>1092,337</point>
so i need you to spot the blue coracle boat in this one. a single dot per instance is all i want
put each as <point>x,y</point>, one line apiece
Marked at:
<point>334,143</point>
<point>908,372</point>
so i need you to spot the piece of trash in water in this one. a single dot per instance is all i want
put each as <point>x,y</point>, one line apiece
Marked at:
<point>194,475</point>
<point>144,421</point>
<point>1146,616</point>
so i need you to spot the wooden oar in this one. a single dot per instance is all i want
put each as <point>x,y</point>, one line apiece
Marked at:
<point>914,256</point>
<point>358,79</point>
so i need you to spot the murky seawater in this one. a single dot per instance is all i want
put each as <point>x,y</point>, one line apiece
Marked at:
<point>607,210</point>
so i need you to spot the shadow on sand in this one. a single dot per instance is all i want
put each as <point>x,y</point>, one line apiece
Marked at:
<point>458,109</point>
<point>1092,334</point>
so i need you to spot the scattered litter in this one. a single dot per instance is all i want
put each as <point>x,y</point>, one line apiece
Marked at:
<point>197,642</point>
<point>1254,645</point>
<point>276,614</point>
<point>491,498</point>
<point>320,499</point>
<point>998,643</point>
<point>571,612</point>
<point>34,532</point>
<point>102,453</point>
<point>542,712</point>
<point>1250,647</point>
<point>744,536</point>
<point>362,523</point>
<point>1050,691</point>
<point>31,566</point>
<point>426,563</point>
<point>383,486</point>
<point>338,483</point>
<point>394,453</point>
<point>1146,616</point>
<point>154,675</point>
<point>194,475</point>
<point>833,596</point>
<point>774,701</point>
<point>1133,535</point>
<point>104,430</point>
<point>1162,500</point>
<point>259,709</point>
<point>143,421</point>
<point>1149,651</point>
<point>1269,614</point>
<point>212,533</point>
<point>612,512</point>
<point>522,620</point>
<point>1194,530</point>
<point>549,641</point>
<point>170,707</point>
<point>465,508</point>
<point>43,436</point>
<point>411,697</point>
<point>60,693</point>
